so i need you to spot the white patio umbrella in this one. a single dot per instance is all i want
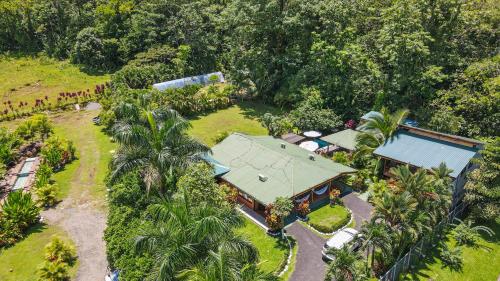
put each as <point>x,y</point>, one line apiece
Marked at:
<point>312,134</point>
<point>309,145</point>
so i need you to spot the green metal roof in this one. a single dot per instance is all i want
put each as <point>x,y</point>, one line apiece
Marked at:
<point>345,139</point>
<point>426,152</point>
<point>289,171</point>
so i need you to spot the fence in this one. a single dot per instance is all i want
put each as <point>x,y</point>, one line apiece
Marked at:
<point>417,252</point>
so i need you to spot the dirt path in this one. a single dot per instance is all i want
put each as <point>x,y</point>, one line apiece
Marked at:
<point>82,214</point>
<point>86,228</point>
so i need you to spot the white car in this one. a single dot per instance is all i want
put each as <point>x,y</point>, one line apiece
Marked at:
<point>341,238</point>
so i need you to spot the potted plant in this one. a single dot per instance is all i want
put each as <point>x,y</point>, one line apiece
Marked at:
<point>334,196</point>
<point>276,214</point>
<point>303,210</point>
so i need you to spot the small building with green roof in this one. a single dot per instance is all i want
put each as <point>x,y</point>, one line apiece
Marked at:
<point>263,168</point>
<point>345,139</point>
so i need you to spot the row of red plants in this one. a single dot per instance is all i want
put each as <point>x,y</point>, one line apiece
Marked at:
<point>63,99</point>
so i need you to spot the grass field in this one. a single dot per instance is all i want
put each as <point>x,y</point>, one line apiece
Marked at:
<point>85,176</point>
<point>243,117</point>
<point>329,219</point>
<point>24,78</point>
<point>21,261</point>
<point>480,263</point>
<point>271,250</point>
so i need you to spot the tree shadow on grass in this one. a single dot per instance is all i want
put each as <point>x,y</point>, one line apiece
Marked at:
<point>257,109</point>
<point>36,228</point>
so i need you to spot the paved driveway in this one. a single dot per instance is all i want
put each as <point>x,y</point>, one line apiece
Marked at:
<point>361,210</point>
<point>310,266</point>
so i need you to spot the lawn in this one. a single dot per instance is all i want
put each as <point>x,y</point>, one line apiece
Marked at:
<point>328,219</point>
<point>479,263</point>
<point>25,78</point>
<point>272,251</point>
<point>85,176</point>
<point>243,117</point>
<point>21,261</point>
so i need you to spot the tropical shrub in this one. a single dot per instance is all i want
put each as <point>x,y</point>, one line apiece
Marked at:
<point>451,258</point>
<point>8,144</point>
<point>57,152</point>
<point>199,185</point>
<point>467,234</point>
<point>43,174</point>
<point>303,208</point>
<point>311,114</point>
<point>47,195</point>
<point>53,271</point>
<point>341,157</point>
<point>20,210</point>
<point>220,136</point>
<point>334,196</point>
<point>59,251</point>
<point>277,125</point>
<point>10,233</point>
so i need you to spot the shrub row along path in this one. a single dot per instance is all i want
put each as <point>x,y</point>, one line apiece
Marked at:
<point>82,213</point>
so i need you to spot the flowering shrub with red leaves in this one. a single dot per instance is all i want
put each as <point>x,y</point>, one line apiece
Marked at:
<point>351,124</point>
<point>303,208</point>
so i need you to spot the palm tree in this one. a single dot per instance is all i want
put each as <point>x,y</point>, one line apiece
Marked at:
<point>345,266</point>
<point>374,235</point>
<point>384,123</point>
<point>20,209</point>
<point>224,265</point>
<point>395,209</point>
<point>156,143</point>
<point>185,240</point>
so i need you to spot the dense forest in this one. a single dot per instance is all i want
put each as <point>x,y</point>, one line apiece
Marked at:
<point>438,58</point>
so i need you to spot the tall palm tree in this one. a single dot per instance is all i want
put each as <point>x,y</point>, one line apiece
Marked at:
<point>345,266</point>
<point>374,235</point>
<point>395,209</point>
<point>377,130</point>
<point>225,266</point>
<point>384,123</point>
<point>155,142</point>
<point>185,238</point>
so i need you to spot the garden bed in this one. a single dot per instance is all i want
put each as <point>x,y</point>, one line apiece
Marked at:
<point>328,219</point>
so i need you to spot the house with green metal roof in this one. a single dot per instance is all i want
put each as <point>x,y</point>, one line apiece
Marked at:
<point>421,148</point>
<point>345,139</point>
<point>263,168</point>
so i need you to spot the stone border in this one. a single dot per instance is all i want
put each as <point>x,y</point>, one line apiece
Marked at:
<point>334,232</point>
<point>289,259</point>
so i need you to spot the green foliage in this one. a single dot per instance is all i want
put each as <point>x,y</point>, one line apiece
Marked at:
<point>8,143</point>
<point>445,121</point>
<point>328,219</point>
<point>276,125</point>
<point>128,202</point>
<point>221,136</point>
<point>341,157</point>
<point>20,210</point>
<point>483,186</point>
<point>88,49</point>
<point>43,174</point>
<point>59,251</point>
<point>46,195</point>
<point>282,207</point>
<point>451,258</point>
<point>347,266</point>
<point>53,271</point>
<point>199,185</point>
<point>311,114</point>
<point>474,97</point>
<point>468,234</point>
<point>57,152</point>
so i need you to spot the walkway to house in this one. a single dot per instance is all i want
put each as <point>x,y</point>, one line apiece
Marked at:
<point>310,265</point>
<point>361,210</point>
